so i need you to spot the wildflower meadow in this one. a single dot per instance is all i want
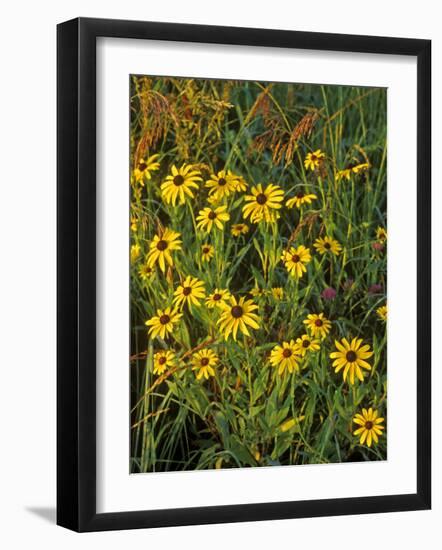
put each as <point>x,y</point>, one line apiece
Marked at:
<point>258,252</point>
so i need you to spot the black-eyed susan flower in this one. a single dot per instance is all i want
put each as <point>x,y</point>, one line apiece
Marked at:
<point>144,168</point>
<point>381,234</point>
<point>146,272</point>
<point>203,362</point>
<point>291,423</point>
<point>190,292</point>
<point>318,325</point>
<point>327,245</point>
<point>277,293</point>
<point>239,229</point>
<point>263,204</point>
<point>207,252</point>
<point>286,357</point>
<point>180,183</point>
<point>362,167</point>
<point>301,198</point>
<point>382,312</point>
<point>238,315</point>
<point>307,343</point>
<point>135,251</point>
<point>352,358</point>
<point>163,322</point>
<point>221,184</point>
<point>161,247</point>
<point>210,217</point>
<point>295,260</point>
<point>314,159</point>
<point>370,426</point>
<point>347,172</point>
<point>163,360</point>
<point>239,183</point>
<point>218,298</point>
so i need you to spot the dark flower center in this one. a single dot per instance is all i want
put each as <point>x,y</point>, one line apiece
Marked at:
<point>305,343</point>
<point>368,425</point>
<point>164,319</point>
<point>142,166</point>
<point>211,215</point>
<point>217,297</point>
<point>287,353</point>
<point>222,181</point>
<point>204,361</point>
<point>161,360</point>
<point>300,195</point>
<point>318,323</point>
<point>261,198</point>
<point>178,180</point>
<point>313,157</point>
<point>327,246</point>
<point>295,258</point>
<point>236,312</point>
<point>162,245</point>
<point>206,250</point>
<point>351,356</point>
<point>187,290</point>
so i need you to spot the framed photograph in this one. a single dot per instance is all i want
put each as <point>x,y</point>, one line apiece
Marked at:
<point>243,274</point>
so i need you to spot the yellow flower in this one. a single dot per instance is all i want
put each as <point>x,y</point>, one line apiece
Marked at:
<point>262,203</point>
<point>313,160</point>
<point>191,291</point>
<point>162,324</point>
<point>203,362</point>
<point>239,182</point>
<point>237,315</point>
<point>133,223</point>
<point>295,260</point>
<point>381,234</point>
<point>218,298</point>
<point>207,252</point>
<point>351,357</point>
<point>257,292</point>
<point>301,198</point>
<point>135,251</point>
<point>318,325</point>
<point>360,167</point>
<point>144,167</point>
<point>180,183</point>
<point>370,428</point>
<point>327,244</point>
<point>162,360</point>
<point>221,184</point>
<point>305,343</point>
<point>209,217</point>
<point>146,272</point>
<point>161,247</point>
<point>239,229</point>
<point>286,357</point>
<point>278,293</point>
<point>382,312</point>
<point>347,172</point>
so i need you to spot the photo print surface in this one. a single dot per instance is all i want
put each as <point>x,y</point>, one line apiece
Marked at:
<point>258,278</point>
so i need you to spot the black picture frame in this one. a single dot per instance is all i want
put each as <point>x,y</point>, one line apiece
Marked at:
<point>76,274</point>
